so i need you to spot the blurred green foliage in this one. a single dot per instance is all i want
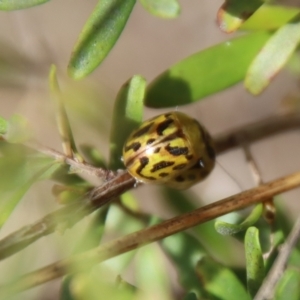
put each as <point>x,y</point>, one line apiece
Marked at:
<point>202,259</point>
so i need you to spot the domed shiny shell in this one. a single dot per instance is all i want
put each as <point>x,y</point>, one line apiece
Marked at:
<point>171,149</point>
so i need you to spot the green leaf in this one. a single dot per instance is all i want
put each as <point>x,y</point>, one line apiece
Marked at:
<point>90,239</point>
<point>99,35</point>
<point>288,286</point>
<point>234,13</point>
<point>19,4</point>
<point>206,72</point>
<point>18,130</point>
<point>162,8</point>
<point>3,126</point>
<point>185,251</point>
<point>151,274</point>
<point>217,245</point>
<point>116,220</point>
<point>20,173</point>
<point>272,57</point>
<point>220,282</point>
<point>269,17</point>
<point>127,115</point>
<point>254,261</point>
<point>190,296</point>
<point>62,119</point>
<point>230,229</point>
<point>66,289</point>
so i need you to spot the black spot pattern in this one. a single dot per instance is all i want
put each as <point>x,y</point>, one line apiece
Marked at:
<point>161,165</point>
<point>134,146</point>
<point>164,174</point>
<point>189,156</point>
<point>179,167</point>
<point>143,163</point>
<point>150,141</point>
<point>173,136</point>
<point>156,150</point>
<point>180,178</point>
<point>142,131</point>
<point>163,126</point>
<point>177,151</point>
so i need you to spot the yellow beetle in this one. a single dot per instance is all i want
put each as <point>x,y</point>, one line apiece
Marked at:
<point>171,149</point>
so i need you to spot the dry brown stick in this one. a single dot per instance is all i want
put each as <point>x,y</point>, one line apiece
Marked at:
<point>80,167</point>
<point>119,183</point>
<point>257,131</point>
<point>267,289</point>
<point>67,216</point>
<point>153,233</point>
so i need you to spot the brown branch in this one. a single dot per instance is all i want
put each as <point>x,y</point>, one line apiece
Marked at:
<point>78,166</point>
<point>257,131</point>
<point>153,233</point>
<point>119,183</point>
<point>67,216</point>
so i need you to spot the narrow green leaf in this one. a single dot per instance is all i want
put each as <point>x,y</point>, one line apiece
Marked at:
<point>269,17</point>
<point>230,229</point>
<point>66,290</point>
<point>151,274</point>
<point>127,115</point>
<point>99,35</point>
<point>254,261</point>
<point>217,245</point>
<point>190,296</point>
<point>220,282</point>
<point>19,4</point>
<point>20,174</point>
<point>162,8</point>
<point>206,72</point>
<point>18,130</point>
<point>272,57</point>
<point>116,220</point>
<point>125,286</point>
<point>185,251</point>
<point>62,120</point>
<point>91,238</point>
<point>234,13</point>
<point>288,286</point>
<point>68,194</point>
<point>3,126</point>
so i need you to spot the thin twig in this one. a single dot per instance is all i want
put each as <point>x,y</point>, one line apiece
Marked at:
<point>257,131</point>
<point>151,234</point>
<point>79,167</point>
<point>267,289</point>
<point>119,183</point>
<point>67,216</point>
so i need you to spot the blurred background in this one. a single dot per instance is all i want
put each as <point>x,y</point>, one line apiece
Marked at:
<point>31,40</point>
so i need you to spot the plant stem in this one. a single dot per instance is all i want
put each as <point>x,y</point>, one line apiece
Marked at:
<point>153,233</point>
<point>117,183</point>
